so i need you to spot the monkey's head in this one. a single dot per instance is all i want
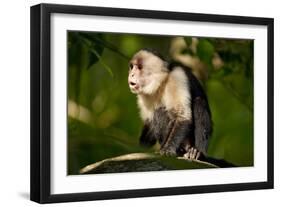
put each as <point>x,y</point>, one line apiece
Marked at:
<point>147,71</point>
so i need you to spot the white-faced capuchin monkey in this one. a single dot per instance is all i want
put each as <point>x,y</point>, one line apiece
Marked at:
<point>173,105</point>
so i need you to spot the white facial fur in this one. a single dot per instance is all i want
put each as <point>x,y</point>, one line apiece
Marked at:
<point>150,76</point>
<point>157,87</point>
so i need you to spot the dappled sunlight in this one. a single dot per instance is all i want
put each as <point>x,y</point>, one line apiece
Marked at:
<point>103,117</point>
<point>79,112</point>
<point>108,117</point>
<point>184,50</point>
<point>99,102</point>
<point>178,44</point>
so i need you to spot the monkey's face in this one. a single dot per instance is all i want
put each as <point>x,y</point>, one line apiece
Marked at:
<point>146,73</point>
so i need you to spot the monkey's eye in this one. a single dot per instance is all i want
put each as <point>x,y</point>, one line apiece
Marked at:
<point>131,66</point>
<point>139,66</point>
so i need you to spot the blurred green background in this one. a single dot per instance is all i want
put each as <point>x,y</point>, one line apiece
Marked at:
<point>103,118</point>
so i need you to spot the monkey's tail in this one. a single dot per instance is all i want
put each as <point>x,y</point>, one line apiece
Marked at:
<point>218,162</point>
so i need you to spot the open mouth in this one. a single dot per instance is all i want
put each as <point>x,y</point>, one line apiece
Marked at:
<point>133,86</point>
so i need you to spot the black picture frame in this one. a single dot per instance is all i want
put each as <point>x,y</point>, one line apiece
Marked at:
<point>41,96</point>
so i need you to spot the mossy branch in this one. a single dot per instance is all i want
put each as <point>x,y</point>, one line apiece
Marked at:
<point>137,162</point>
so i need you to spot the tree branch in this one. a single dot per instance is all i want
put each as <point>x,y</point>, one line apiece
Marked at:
<point>138,162</point>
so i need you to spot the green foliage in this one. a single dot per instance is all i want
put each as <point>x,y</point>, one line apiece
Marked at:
<point>188,40</point>
<point>103,118</point>
<point>205,51</point>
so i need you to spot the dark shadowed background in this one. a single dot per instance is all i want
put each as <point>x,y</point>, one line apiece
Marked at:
<point>103,119</point>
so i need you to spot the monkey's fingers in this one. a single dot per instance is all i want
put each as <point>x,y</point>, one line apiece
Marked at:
<point>192,154</point>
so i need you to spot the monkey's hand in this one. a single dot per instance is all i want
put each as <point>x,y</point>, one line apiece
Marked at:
<point>193,153</point>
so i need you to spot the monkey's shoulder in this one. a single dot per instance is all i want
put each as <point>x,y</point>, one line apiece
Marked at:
<point>180,76</point>
<point>192,83</point>
<point>177,95</point>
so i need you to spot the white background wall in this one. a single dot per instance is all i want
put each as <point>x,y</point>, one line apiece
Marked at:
<point>14,101</point>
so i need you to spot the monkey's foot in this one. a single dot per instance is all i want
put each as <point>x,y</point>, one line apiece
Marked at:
<point>168,152</point>
<point>192,153</point>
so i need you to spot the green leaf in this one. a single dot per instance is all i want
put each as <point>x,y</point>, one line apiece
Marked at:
<point>92,41</point>
<point>74,49</point>
<point>205,51</point>
<point>94,37</point>
<point>102,62</point>
<point>100,40</point>
<point>93,58</point>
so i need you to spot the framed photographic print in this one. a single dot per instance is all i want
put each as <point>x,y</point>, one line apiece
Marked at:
<point>133,103</point>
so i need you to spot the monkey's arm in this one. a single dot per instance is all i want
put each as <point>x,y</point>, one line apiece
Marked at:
<point>179,132</point>
<point>147,138</point>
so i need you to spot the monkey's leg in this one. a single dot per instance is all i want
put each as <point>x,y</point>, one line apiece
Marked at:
<point>179,131</point>
<point>147,139</point>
